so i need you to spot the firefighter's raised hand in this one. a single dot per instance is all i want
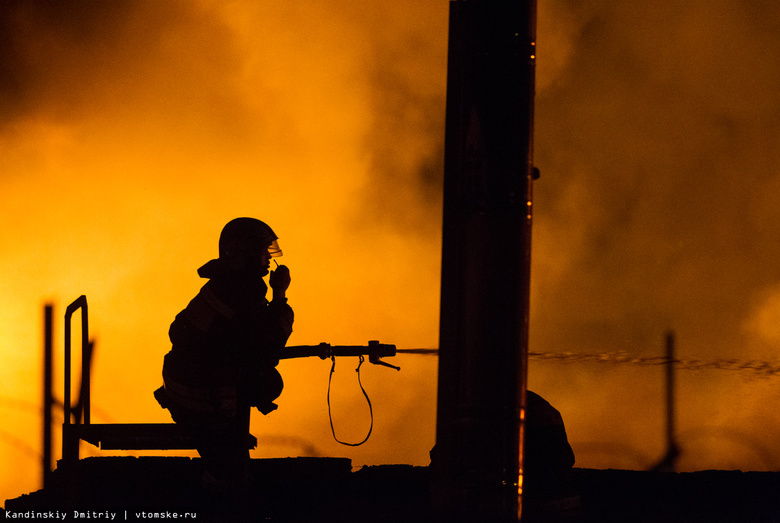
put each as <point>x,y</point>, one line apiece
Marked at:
<point>280,281</point>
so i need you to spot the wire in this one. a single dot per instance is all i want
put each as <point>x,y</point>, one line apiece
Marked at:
<point>370,408</point>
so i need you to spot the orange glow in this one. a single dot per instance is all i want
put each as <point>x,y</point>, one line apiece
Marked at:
<point>136,142</point>
<point>130,133</point>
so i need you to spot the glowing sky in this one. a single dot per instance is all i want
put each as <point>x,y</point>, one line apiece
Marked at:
<point>131,132</point>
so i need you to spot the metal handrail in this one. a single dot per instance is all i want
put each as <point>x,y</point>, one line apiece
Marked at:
<point>84,393</point>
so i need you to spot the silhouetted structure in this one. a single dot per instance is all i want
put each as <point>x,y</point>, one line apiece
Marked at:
<point>48,397</point>
<point>668,461</point>
<point>485,258</point>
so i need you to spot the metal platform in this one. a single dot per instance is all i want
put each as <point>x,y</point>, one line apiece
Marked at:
<point>139,436</point>
<point>77,424</point>
<point>110,436</point>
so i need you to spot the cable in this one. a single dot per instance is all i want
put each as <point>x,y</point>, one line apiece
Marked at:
<point>370,408</point>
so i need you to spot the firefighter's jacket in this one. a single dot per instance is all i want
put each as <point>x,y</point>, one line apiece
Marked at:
<point>225,346</point>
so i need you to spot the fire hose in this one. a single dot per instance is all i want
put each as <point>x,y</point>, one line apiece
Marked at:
<point>374,350</point>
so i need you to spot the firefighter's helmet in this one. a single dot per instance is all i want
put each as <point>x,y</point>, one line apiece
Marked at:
<point>244,236</point>
<point>240,239</point>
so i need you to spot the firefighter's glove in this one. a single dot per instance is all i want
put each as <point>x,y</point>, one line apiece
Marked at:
<point>280,281</point>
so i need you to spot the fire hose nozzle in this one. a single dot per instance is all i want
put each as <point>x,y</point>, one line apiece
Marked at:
<point>376,361</point>
<point>374,348</point>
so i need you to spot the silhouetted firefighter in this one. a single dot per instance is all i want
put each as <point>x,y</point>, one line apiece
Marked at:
<point>548,486</point>
<point>225,348</point>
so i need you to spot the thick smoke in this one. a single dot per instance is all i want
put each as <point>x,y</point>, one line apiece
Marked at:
<point>656,134</point>
<point>658,140</point>
<point>130,132</point>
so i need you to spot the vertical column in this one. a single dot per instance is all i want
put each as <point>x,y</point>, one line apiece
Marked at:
<point>671,441</point>
<point>48,400</point>
<point>486,239</point>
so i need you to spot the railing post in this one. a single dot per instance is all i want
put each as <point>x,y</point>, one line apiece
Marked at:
<point>48,400</point>
<point>70,438</point>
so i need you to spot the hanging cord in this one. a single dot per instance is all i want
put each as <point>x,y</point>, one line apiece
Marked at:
<point>370,409</point>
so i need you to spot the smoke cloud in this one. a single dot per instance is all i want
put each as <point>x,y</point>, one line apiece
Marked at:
<point>131,132</point>
<point>656,133</point>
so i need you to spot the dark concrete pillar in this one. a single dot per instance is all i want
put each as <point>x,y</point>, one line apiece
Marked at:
<point>483,343</point>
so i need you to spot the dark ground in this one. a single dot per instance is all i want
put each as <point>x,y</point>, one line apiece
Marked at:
<point>326,489</point>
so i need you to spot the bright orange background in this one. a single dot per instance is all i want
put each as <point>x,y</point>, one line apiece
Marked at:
<point>130,133</point>
<point>146,129</point>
